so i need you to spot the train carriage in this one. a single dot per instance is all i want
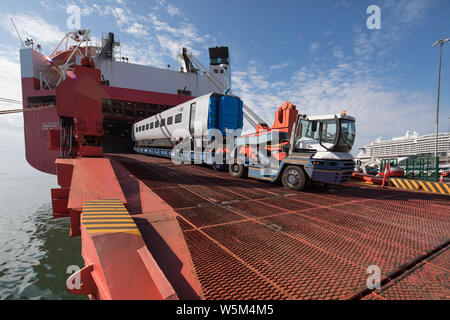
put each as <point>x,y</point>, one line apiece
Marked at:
<point>187,120</point>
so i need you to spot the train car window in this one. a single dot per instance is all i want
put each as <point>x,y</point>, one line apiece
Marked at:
<point>147,126</point>
<point>178,118</point>
<point>151,125</point>
<point>142,128</point>
<point>163,122</point>
<point>157,124</point>
<point>169,120</point>
<point>192,120</point>
<point>136,129</point>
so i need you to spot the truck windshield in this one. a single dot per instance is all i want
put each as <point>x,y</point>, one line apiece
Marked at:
<point>346,136</point>
<point>332,134</point>
<point>329,131</point>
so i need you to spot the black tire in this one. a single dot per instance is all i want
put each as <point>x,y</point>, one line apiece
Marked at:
<point>237,170</point>
<point>294,178</point>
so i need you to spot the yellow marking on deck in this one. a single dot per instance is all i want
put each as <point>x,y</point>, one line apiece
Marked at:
<point>427,186</point>
<point>108,216</point>
<point>401,184</point>
<point>106,211</point>
<point>112,225</point>
<point>107,207</point>
<point>114,219</point>
<point>430,185</point>
<point>446,187</point>
<point>99,203</point>
<point>424,187</point>
<point>439,187</point>
<point>129,231</point>
<point>415,184</point>
<point>104,204</point>
<point>394,181</point>
<point>406,182</point>
<point>103,212</point>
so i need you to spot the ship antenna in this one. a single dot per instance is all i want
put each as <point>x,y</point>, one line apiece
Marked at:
<point>23,45</point>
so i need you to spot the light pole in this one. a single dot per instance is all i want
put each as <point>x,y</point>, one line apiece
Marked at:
<point>441,44</point>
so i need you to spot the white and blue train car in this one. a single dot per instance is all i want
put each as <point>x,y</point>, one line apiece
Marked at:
<point>158,134</point>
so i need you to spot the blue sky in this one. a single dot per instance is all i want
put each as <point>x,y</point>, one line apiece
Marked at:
<point>318,55</point>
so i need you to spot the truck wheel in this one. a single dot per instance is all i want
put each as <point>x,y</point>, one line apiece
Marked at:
<point>294,178</point>
<point>237,170</point>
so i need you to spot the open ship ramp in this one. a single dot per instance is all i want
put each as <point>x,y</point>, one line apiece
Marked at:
<point>205,235</point>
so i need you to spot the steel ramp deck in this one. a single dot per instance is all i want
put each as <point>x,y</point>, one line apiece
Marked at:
<point>255,240</point>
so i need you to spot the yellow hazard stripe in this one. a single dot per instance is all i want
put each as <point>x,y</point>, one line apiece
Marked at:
<point>105,214</point>
<point>446,187</point>
<point>406,182</point>
<point>106,211</point>
<point>416,186</point>
<point>430,186</point>
<point>400,182</point>
<point>129,231</point>
<point>107,217</point>
<point>439,187</point>
<point>427,186</point>
<point>394,181</point>
<point>102,206</point>
<point>112,225</point>
<point>423,185</point>
<point>103,203</point>
<point>114,219</point>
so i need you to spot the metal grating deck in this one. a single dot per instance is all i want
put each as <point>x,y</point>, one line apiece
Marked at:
<point>255,240</point>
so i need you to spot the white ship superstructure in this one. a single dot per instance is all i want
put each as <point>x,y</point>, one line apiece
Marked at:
<point>407,146</point>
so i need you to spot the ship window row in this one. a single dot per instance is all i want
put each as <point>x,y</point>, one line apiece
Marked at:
<point>158,123</point>
<point>130,109</point>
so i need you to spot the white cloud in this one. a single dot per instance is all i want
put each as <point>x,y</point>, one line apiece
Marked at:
<point>120,15</point>
<point>172,38</point>
<point>32,26</point>
<point>155,31</point>
<point>314,46</point>
<point>11,126</point>
<point>355,83</point>
<point>399,18</point>
<point>379,110</point>
<point>137,30</point>
<point>10,75</point>
<point>148,54</point>
<point>280,66</point>
<point>338,52</point>
<point>172,11</point>
<point>46,4</point>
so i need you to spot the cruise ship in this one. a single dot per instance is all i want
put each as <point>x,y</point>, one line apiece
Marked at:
<point>409,145</point>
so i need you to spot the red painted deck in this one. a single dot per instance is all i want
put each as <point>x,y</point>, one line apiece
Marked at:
<point>215,237</point>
